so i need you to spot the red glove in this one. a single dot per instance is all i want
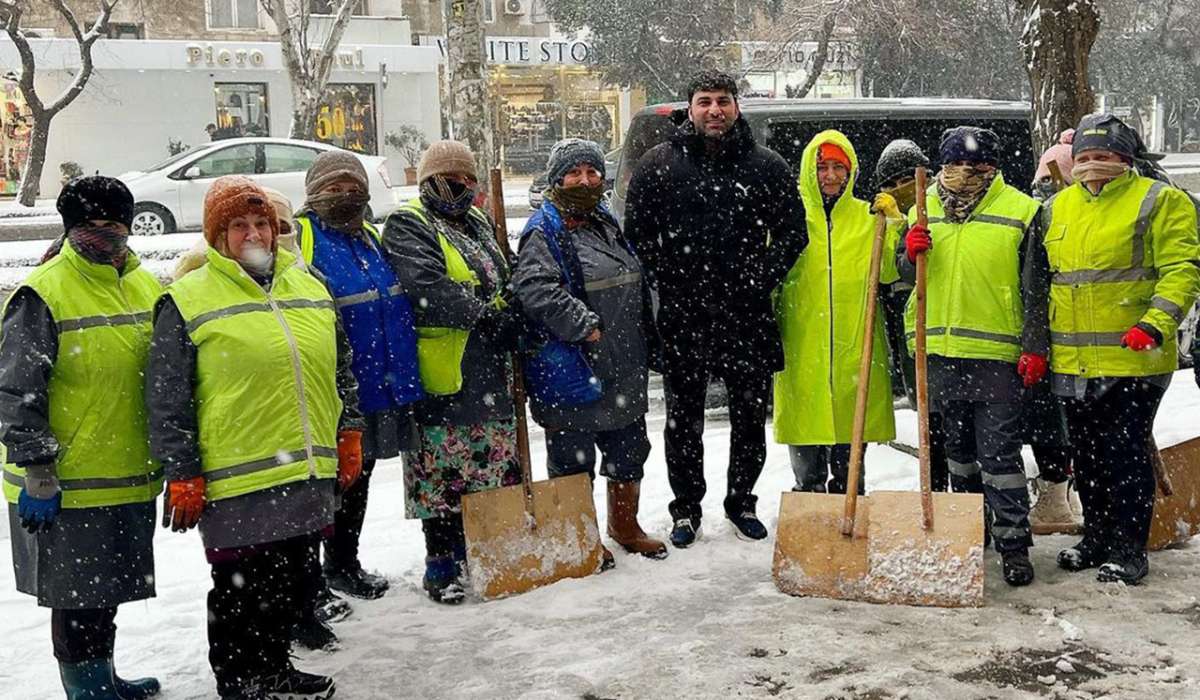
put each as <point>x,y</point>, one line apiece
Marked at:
<point>349,458</point>
<point>1138,340</point>
<point>185,504</point>
<point>1031,367</point>
<point>917,241</point>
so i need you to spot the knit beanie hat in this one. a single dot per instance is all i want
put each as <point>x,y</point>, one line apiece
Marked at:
<point>568,153</point>
<point>899,158</point>
<point>232,196</point>
<point>1058,153</point>
<point>446,157</point>
<point>1104,132</point>
<point>832,151</point>
<point>331,166</point>
<point>95,197</point>
<point>971,144</point>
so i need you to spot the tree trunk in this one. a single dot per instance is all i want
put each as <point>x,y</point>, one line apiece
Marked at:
<point>466,59</point>
<point>1057,41</point>
<point>31,179</point>
<point>819,58</point>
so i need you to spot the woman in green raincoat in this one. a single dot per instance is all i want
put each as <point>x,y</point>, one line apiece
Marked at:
<point>821,307</point>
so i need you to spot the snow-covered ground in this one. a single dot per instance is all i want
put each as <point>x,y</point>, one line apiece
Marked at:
<point>706,623</point>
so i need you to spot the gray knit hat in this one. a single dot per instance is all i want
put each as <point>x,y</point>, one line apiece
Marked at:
<point>331,166</point>
<point>568,153</point>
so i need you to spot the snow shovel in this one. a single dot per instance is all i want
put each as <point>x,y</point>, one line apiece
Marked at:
<point>526,536</point>
<point>821,541</point>
<point>1177,507</point>
<point>925,548</point>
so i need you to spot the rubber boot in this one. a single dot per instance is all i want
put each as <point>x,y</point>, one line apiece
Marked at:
<point>623,527</point>
<point>137,688</point>
<point>89,680</point>
<point>1052,515</point>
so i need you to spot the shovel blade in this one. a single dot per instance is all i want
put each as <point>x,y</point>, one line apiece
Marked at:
<point>909,565</point>
<point>508,552</point>
<point>812,556</point>
<point>1177,517</point>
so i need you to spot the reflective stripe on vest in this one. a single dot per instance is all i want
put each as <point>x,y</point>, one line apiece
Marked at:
<point>974,285</point>
<point>1092,307</point>
<point>266,397</point>
<point>95,394</point>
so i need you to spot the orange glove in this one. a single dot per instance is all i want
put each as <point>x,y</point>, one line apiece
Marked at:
<point>1031,367</point>
<point>349,458</point>
<point>184,505</point>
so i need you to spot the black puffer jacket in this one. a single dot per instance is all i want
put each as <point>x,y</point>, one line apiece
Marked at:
<point>717,232</point>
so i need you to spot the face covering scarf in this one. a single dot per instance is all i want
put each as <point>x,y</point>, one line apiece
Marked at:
<point>1097,173</point>
<point>576,202</point>
<point>447,197</point>
<point>961,187</point>
<point>342,210</point>
<point>103,245</point>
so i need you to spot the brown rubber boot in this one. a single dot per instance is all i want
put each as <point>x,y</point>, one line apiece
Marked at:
<point>623,526</point>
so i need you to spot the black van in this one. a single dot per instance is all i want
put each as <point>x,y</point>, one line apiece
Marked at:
<point>786,127</point>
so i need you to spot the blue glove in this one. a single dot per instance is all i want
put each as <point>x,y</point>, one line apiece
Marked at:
<point>38,513</point>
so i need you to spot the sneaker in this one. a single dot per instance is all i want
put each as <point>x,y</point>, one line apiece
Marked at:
<point>749,527</point>
<point>1018,570</point>
<point>441,581</point>
<point>292,684</point>
<point>1087,554</point>
<point>357,583</point>
<point>315,635</point>
<point>1127,568</point>
<point>685,532</point>
<point>331,607</point>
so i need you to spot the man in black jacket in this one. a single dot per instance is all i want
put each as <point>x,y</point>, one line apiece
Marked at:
<point>717,222</point>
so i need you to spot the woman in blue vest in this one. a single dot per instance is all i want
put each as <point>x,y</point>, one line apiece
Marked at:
<point>445,253</point>
<point>81,485</point>
<point>345,250</point>
<point>580,282</point>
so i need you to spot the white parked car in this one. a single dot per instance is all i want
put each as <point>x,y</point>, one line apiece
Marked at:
<point>170,195</point>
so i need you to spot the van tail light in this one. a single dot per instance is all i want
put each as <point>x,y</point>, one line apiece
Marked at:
<point>383,173</point>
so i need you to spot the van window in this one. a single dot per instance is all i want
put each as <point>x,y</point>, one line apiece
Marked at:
<point>788,136</point>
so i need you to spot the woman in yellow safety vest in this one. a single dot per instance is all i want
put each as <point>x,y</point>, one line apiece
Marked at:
<point>444,251</point>
<point>80,482</point>
<point>254,417</point>
<point>1109,283</point>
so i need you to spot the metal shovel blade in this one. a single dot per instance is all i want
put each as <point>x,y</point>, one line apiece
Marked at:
<point>911,565</point>
<point>510,553</point>
<point>812,556</point>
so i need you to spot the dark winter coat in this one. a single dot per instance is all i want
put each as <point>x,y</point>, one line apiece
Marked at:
<point>616,300</point>
<point>717,232</point>
<point>413,250</point>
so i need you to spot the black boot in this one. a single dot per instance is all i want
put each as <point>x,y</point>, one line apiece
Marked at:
<point>89,680</point>
<point>1018,570</point>
<point>1089,553</point>
<point>294,684</point>
<point>1128,565</point>
<point>136,689</point>
<point>313,634</point>
<point>354,581</point>
<point>441,581</point>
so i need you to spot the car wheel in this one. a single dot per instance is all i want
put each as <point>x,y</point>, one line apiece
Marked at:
<point>151,220</point>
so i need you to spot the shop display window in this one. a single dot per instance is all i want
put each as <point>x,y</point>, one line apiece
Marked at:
<point>347,118</point>
<point>16,128</point>
<point>242,110</point>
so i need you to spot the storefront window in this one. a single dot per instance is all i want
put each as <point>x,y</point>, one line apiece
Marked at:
<point>347,119</point>
<point>16,127</point>
<point>242,110</point>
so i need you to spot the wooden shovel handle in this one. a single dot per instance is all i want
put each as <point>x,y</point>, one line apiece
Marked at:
<point>1056,176</point>
<point>498,214</point>
<point>1160,470</point>
<point>864,378</point>
<point>921,373</point>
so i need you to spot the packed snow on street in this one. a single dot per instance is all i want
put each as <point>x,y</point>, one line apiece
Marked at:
<point>707,622</point>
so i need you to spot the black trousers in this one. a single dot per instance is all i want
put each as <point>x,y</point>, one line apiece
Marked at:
<point>623,452</point>
<point>341,550</point>
<point>254,602</point>
<point>1113,467</point>
<point>902,366</point>
<point>685,389</point>
<point>83,635</point>
<point>444,537</point>
<point>1054,462</point>
<point>823,468</point>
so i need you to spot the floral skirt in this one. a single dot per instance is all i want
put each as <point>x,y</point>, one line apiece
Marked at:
<point>453,460</point>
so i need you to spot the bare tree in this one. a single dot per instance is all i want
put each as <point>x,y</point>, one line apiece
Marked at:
<point>466,61</point>
<point>44,112</point>
<point>800,21</point>
<point>308,67</point>
<point>1057,40</point>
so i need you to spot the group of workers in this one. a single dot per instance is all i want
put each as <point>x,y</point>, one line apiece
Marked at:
<point>296,347</point>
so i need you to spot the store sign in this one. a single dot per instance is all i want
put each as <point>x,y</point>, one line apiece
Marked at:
<point>762,55</point>
<point>526,51</point>
<point>233,57</point>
